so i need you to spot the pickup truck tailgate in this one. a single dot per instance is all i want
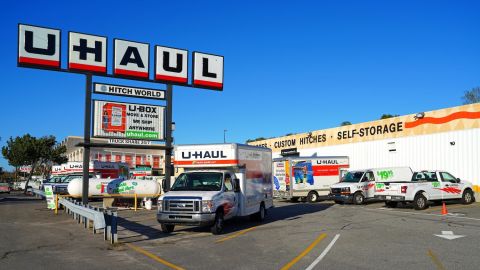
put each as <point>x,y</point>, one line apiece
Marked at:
<point>388,188</point>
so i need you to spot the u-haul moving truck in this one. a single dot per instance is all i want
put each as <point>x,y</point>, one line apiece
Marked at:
<point>307,177</point>
<point>219,182</point>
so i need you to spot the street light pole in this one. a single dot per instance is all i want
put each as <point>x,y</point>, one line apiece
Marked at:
<point>224,132</point>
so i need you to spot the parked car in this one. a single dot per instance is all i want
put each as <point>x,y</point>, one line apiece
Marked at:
<point>5,188</point>
<point>60,184</point>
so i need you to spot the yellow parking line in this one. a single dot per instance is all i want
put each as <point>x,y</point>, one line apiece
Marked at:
<point>435,260</point>
<point>305,252</point>
<point>154,257</point>
<point>235,235</point>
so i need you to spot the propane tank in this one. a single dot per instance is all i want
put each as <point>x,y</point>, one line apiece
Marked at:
<point>102,187</point>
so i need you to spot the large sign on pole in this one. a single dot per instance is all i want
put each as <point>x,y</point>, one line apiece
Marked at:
<point>40,47</point>
<point>128,121</point>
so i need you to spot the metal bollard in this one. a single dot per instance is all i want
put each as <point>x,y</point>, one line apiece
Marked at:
<point>135,207</point>
<point>108,224</point>
<point>114,229</point>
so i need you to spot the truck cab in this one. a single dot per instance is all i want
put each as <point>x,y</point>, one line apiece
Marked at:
<point>218,182</point>
<point>195,198</point>
<point>355,187</point>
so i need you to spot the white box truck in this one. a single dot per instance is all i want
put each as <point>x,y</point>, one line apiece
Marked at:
<point>219,182</point>
<point>358,186</point>
<point>307,178</point>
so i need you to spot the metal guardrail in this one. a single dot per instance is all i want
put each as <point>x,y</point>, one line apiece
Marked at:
<point>105,219</point>
<point>38,192</point>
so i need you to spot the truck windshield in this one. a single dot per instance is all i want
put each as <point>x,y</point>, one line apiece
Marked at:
<point>352,177</point>
<point>198,181</point>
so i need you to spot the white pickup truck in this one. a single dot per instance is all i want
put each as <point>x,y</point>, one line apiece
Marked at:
<point>358,186</point>
<point>219,182</point>
<point>425,186</point>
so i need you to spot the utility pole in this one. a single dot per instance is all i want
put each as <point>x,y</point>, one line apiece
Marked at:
<point>224,132</point>
<point>86,137</point>
<point>168,138</point>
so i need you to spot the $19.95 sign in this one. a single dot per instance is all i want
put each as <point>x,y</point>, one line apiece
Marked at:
<point>128,121</point>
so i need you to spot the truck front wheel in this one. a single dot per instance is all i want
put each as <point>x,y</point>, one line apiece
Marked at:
<point>167,228</point>
<point>420,202</point>
<point>467,197</point>
<point>217,227</point>
<point>358,198</point>
<point>260,215</point>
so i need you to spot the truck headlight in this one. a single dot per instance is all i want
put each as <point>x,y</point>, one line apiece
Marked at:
<point>207,206</point>
<point>345,190</point>
<point>160,205</point>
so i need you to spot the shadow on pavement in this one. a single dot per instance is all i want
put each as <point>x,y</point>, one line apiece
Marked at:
<point>283,212</point>
<point>278,213</point>
<point>13,198</point>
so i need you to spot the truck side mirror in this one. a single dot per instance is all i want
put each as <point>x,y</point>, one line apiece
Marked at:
<point>236,182</point>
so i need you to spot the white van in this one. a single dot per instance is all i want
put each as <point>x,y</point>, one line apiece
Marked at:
<point>358,186</point>
<point>219,182</point>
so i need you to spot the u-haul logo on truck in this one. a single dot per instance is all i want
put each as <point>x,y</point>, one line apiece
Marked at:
<point>203,154</point>
<point>327,162</point>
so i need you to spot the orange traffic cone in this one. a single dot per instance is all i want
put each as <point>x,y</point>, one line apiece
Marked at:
<point>444,209</point>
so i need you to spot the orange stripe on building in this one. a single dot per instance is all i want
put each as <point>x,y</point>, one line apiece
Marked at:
<point>443,120</point>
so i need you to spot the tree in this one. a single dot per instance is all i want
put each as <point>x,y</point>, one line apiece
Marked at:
<point>386,116</point>
<point>345,123</point>
<point>472,96</point>
<point>34,152</point>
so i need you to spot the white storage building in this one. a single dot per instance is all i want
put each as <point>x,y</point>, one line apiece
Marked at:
<point>446,139</point>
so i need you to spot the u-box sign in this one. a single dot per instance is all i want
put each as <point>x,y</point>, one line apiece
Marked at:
<point>40,47</point>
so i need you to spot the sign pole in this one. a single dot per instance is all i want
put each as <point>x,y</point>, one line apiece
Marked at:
<point>86,146</point>
<point>168,138</point>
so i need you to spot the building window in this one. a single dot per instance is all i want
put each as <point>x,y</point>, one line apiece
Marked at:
<point>156,162</point>
<point>128,160</point>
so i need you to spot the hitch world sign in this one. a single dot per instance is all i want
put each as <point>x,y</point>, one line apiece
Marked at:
<point>128,121</point>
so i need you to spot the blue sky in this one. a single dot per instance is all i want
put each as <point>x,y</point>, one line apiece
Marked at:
<point>290,66</point>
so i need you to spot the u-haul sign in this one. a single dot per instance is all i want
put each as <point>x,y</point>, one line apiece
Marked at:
<point>213,155</point>
<point>40,47</point>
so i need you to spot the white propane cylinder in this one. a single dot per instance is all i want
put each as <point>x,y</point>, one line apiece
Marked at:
<point>101,187</point>
<point>148,204</point>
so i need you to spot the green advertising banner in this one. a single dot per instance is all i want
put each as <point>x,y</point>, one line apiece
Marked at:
<point>50,197</point>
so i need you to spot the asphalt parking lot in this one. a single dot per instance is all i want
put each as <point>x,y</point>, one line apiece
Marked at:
<point>294,236</point>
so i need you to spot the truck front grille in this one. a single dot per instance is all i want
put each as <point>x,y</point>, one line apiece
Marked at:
<point>336,190</point>
<point>187,206</point>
